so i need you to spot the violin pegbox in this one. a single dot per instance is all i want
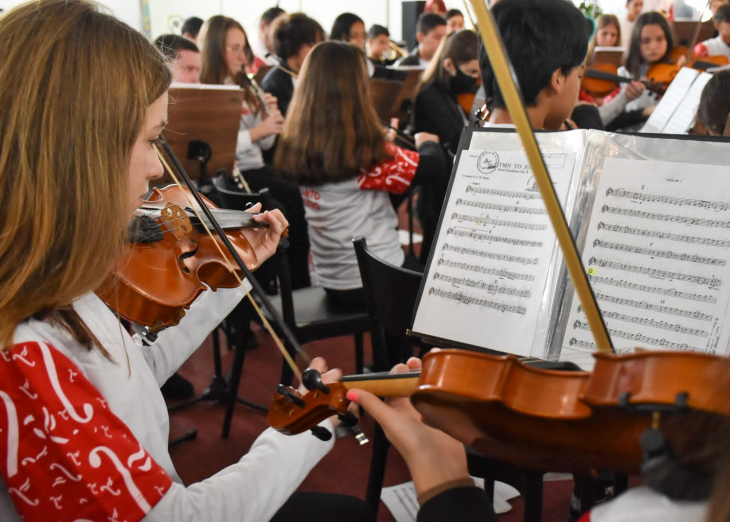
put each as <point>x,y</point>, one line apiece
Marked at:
<point>292,413</point>
<point>176,220</point>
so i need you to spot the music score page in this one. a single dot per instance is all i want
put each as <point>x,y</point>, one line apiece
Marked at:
<point>489,267</point>
<point>657,253</point>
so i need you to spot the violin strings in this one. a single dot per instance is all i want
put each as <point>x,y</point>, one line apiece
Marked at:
<point>264,321</point>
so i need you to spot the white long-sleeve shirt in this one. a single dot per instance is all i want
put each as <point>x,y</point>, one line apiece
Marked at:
<point>253,489</point>
<point>249,154</point>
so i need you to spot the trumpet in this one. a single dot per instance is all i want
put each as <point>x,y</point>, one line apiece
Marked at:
<point>395,52</point>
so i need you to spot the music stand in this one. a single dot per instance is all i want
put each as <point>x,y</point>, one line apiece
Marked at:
<point>684,30</point>
<point>203,115</point>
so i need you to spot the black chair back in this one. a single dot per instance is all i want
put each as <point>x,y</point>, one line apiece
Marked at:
<point>390,296</point>
<point>237,200</point>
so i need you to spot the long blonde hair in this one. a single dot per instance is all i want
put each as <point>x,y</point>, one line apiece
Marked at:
<point>75,85</point>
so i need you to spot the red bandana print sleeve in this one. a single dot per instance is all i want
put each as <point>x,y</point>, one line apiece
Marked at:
<point>391,176</point>
<point>63,454</point>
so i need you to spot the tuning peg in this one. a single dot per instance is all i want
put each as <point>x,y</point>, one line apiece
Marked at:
<point>322,433</point>
<point>290,395</point>
<point>312,380</point>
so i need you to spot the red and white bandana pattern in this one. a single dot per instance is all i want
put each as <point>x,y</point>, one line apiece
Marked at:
<point>63,454</point>
<point>391,176</point>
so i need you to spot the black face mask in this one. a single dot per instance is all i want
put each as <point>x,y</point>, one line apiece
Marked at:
<point>462,83</point>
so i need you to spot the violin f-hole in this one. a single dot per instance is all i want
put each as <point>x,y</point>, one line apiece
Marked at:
<point>187,255</point>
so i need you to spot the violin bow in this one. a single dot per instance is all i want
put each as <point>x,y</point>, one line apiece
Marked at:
<point>508,84</point>
<point>306,358</point>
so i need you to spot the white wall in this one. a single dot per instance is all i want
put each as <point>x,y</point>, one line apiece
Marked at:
<point>129,11</point>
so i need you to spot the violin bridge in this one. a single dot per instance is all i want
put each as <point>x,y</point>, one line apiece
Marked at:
<point>177,221</point>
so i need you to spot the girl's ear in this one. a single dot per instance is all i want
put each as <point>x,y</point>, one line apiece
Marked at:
<point>449,66</point>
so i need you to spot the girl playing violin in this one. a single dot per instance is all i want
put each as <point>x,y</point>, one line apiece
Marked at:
<point>83,426</point>
<point>334,148</point>
<point>224,45</point>
<point>651,43</point>
<point>608,34</point>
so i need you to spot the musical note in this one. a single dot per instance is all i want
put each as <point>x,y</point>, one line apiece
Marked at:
<point>503,193</point>
<point>482,303</point>
<point>655,198</point>
<point>663,235</point>
<point>482,285</point>
<point>502,208</point>
<point>666,217</point>
<point>711,281</point>
<point>692,258</point>
<point>485,270</point>
<point>641,338</point>
<point>498,222</point>
<point>696,314</point>
<point>670,292</point>
<point>481,236</point>
<point>491,255</point>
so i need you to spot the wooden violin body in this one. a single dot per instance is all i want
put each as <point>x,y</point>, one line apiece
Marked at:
<point>569,421</point>
<point>170,261</point>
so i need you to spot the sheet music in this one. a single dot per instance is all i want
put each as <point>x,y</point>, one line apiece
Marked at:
<point>671,100</point>
<point>485,283</point>
<point>657,254</point>
<point>684,117</point>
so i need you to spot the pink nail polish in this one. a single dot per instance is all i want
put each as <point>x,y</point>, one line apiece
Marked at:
<point>352,396</point>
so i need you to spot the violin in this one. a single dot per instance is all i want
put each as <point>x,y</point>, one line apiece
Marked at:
<point>170,260</point>
<point>550,420</point>
<point>600,80</point>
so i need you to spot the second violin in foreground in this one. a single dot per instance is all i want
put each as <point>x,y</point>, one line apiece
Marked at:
<point>570,421</point>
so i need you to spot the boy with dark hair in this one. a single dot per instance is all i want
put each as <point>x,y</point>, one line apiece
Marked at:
<point>378,45</point>
<point>263,45</point>
<point>546,41</point>
<point>720,45</point>
<point>191,28</point>
<point>431,29</point>
<point>294,36</point>
<point>454,21</point>
<point>184,57</point>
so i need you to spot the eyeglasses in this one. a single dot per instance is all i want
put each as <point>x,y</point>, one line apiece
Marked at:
<point>236,49</point>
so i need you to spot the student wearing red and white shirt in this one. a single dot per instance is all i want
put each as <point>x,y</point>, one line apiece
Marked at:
<point>83,426</point>
<point>333,146</point>
<point>720,45</point>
